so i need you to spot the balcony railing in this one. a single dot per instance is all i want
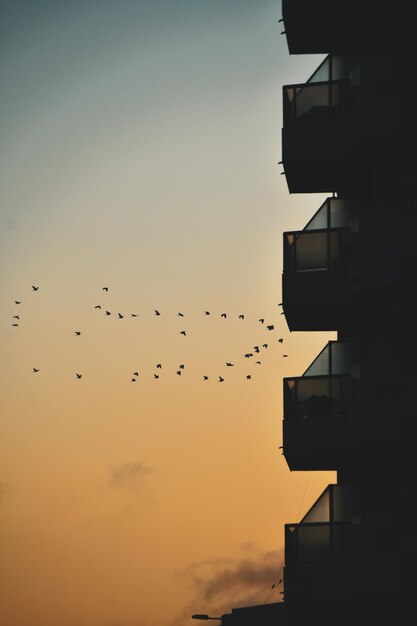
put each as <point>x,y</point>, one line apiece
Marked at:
<point>321,543</point>
<point>329,386</point>
<point>317,396</point>
<point>323,97</point>
<point>313,250</point>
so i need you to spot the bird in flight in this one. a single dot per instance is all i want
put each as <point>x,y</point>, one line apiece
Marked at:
<point>248,355</point>
<point>35,370</point>
<point>279,304</point>
<point>223,315</point>
<point>97,306</point>
<point>34,288</point>
<point>105,289</point>
<point>205,377</point>
<point>179,373</point>
<point>258,362</point>
<point>133,380</point>
<point>120,316</point>
<point>248,377</point>
<point>241,317</point>
<point>265,345</point>
<point>159,366</point>
<point>157,312</point>
<point>261,320</point>
<point>281,340</point>
<point>16,317</point>
<point>206,312</point>
<point>256,348</point>
<point>135,373</point>
<point>183,333</point>
<point>285,355</point>
<point>15,324</point>
<point>133,315</point>
<point>230,364</point>
<point>79,376</point>
<point>108,313</point>
<point>18,302</point>
<point>221,380</point>
<point>155,376</point>
<point>180,314</point>
<point>270,327</point>
<point>182,367</point>
<point>78,333</point>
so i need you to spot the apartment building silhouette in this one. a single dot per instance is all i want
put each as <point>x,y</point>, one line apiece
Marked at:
<point>349,131</point>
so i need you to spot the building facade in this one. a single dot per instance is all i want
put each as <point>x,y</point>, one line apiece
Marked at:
<point>349,131</point>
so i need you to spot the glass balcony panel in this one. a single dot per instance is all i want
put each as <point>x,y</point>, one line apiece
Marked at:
<point>311,251</point>
<point>320,220</point>
<point>320,511</point>
<point>321,364</point>
<point>313,544</point>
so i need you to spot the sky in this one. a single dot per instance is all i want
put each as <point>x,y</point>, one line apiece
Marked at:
<point>140,142</point>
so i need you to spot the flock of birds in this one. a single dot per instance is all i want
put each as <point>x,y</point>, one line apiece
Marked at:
<point>181,367</point>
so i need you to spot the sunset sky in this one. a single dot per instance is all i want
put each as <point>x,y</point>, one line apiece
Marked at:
<point>140,142</point>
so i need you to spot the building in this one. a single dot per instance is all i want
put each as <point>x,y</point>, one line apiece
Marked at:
<point>350,131</point>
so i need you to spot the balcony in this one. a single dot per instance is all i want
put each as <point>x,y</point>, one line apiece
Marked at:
<point>337,551</point>
<point>320,26</point>
<point>315,135</point>
<point>315,282</point>
<point>317,406</point>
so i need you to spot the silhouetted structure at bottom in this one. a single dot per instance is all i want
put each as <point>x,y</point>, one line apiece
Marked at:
<point>258,615</point>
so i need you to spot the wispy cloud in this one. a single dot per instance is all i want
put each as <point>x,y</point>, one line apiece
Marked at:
<point>220,585</point>
<point>131,476</point>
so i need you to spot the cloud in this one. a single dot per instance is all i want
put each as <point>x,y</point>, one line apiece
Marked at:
<point>131,476</point>
<point>221,585</point>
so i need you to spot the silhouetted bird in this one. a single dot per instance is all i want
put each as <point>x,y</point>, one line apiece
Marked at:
<point>183,333</point>
<point>258,362</point>
<point>223,315</point>
<point>97,306</point>
<point>265,345</point>
<point>205,377</point>
<point>280,581</point>
<point>135,373</point>
<point>248,377</point>
<point>18,302</point>
<point>206,312</point>
<point>281,340</point>
<point>159,366</point>
<point>79,376</point>
<point>179,373</point>
<point>155,376</point>
<point>279,304</point>
<point>273,586</point>
<point>241,317</point>
<point>35,370</point>
<point>35,288</point>
<point>120,316</point>
<point>221,380</point>
<point>157,312</point>
<point>282,313</point>
<point>78,333</point>
<point>280,447</point>
<point>270,327</point>
<point>182,367</point>
<point>16,317</point>
<point>248,355</point>
<point>261,320</point>
<point>105,288</point>
<point>108,313</point>
<point>285,355</point>
<point>15,324</point>
<point>133,380</point>
<point>133,315</point>
<point>230,364</point>
<point>180,314</point>
<point>256,348</point>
